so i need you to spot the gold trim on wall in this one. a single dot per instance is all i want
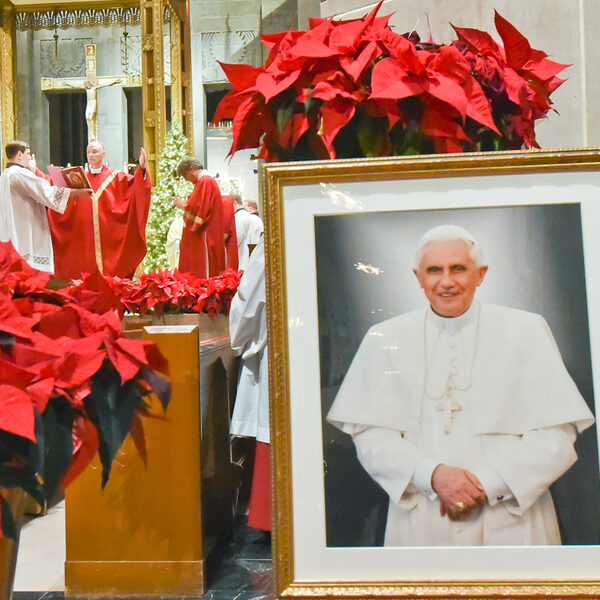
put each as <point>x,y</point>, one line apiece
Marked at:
<point>8,89</point>
<point>153,82</point>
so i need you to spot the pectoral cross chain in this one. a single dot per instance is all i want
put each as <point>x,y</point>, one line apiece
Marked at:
<point>448,405</point>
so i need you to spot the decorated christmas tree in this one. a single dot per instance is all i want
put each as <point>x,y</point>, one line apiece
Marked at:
<point>162,212</point>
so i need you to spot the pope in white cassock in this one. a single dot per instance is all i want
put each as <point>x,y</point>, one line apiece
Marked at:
<point>463,412</point>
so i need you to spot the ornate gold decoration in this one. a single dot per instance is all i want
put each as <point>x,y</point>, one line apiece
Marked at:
<point>176,83</point>
<point>8,101</point>
<point>64,19</point>
<point>153,80</point>
<point>147,41</point>
<point>61,83</point>
<point>186,75</point>
<point>277,176</point>
<point>150,120</point>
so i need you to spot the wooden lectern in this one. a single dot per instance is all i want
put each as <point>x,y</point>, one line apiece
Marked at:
<point>149,532</point>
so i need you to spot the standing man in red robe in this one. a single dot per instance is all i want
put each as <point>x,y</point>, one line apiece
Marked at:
<point>108,232</point>
<point>231,248</point>
<point>202,248</point>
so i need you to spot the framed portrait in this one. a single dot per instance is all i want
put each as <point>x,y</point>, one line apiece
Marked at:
<point>341,243</point>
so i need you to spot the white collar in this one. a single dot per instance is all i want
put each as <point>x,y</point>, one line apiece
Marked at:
<point>454,323</point>
<point>96,171</point>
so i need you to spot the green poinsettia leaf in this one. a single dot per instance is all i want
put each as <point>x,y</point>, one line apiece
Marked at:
<point>12,445</point>
<point>36,451</point>
<point>7,522</point>
<point>111,407</point>
<point>57,446</point>
<point>312,106</point>
<point>24,478</point>
<point>284,114</point>
<point>6,339</point>
<point>373,135</point>
<point>287,106</point>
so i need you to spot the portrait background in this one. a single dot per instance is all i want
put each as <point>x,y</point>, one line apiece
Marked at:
<point>364,265</point>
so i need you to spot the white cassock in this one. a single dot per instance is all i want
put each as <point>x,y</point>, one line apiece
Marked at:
<point>256,229</point>
<point>174,241</point>
<point>244,232</point>
<point>248,333</point>
<point>24,198</point>
<point>486,391</point>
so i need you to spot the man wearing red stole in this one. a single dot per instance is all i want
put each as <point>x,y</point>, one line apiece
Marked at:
<point>202,248</point>
<point>108,232</point>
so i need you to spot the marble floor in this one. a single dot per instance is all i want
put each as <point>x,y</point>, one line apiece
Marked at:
<point>239,569</point>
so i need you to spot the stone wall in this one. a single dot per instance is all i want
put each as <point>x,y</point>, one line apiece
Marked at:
<point>229,31</point>
<point>562,28</point>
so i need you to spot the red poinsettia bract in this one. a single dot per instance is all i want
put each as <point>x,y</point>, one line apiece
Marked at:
<point>357,88</point>
<point>71,383</point>
<point>165,291</point>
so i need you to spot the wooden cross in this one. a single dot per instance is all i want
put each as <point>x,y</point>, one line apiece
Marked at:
<point>90,83</point>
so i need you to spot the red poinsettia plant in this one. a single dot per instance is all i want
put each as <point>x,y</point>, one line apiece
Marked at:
<point>71,384</point>
<point>164,291</point>
<point>356,88</point>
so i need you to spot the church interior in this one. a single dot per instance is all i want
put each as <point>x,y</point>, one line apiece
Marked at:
<point>123,72</point>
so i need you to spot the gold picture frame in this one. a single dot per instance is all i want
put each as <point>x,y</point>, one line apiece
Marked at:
<point>294,195</point>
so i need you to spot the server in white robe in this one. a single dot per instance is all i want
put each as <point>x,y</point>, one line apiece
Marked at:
<point>24,199</point>
<point>464,412</point>
<point>173,241</point>
<point>244,231</point>
<point>256,224</point>
<point>248,333</point>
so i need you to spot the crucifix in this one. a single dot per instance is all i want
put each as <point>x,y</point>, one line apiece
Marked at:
<point>90,84</point>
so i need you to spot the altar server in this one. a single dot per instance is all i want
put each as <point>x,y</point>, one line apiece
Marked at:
<point>24,200</point>
<point>248,332</point>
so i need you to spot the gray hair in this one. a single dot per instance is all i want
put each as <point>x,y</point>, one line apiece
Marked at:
<point>189,164</point>
<point>444,233</point>
<point>97,143</point>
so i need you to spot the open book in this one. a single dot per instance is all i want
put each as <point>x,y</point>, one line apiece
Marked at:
<point>70,177</point>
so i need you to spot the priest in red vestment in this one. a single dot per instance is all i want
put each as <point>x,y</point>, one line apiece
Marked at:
<point>202,248</point>
<point>109,231</point>
<point>231,249</point>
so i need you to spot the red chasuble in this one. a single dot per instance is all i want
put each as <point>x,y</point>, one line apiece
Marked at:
<point>108,231</point>
<point>231,249</point>
<point>202,248</point>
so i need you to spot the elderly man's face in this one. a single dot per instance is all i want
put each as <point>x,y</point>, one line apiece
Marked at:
<point>95,154</point>
<point>449,276</point>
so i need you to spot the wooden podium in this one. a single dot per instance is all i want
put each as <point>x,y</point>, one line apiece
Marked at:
<point>149,532</point>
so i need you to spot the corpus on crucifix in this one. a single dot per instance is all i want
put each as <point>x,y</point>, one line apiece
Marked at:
<point>90,84</point>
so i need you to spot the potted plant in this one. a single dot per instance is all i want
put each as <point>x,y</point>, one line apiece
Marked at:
<point>71,385</point>
<point>168,297</point>
<point>356,88</point>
